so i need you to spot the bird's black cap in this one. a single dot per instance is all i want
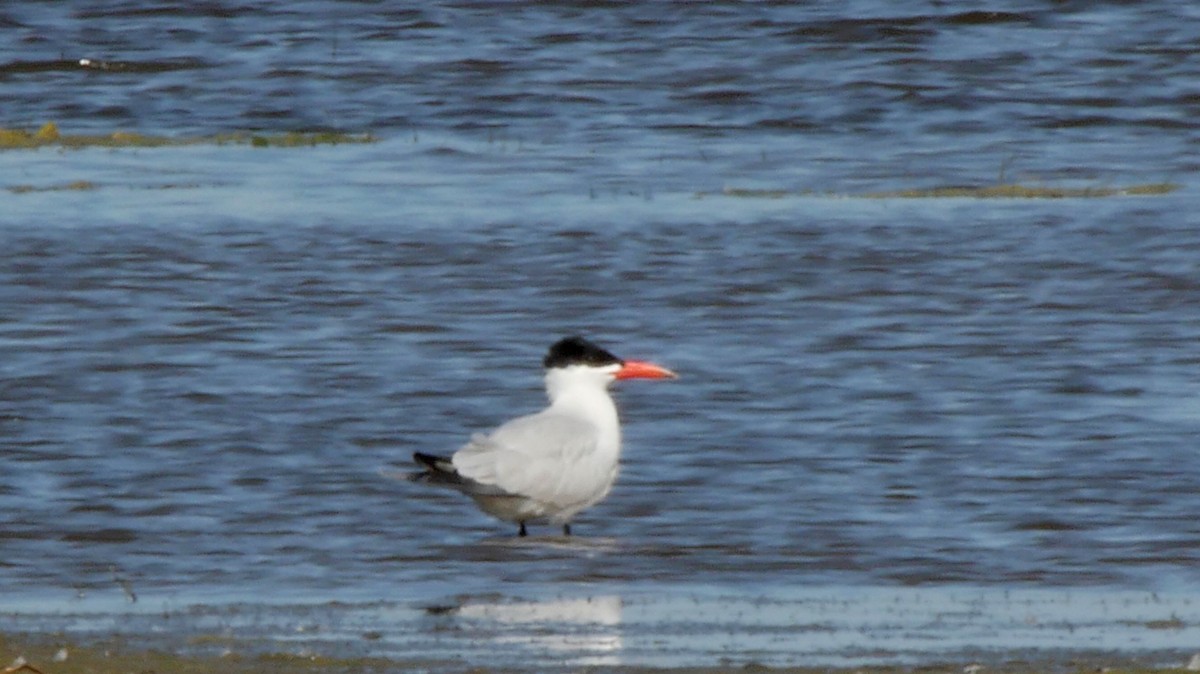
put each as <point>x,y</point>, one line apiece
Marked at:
<point>578,351</point>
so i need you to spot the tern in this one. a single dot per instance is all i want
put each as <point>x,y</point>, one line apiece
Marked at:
<point>548,466</point>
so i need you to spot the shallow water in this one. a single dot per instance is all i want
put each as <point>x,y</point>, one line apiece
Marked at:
<point>209,358</point>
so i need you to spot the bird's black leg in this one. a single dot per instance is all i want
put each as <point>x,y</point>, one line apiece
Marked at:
<point>567,529</point>
<point>521,531</point>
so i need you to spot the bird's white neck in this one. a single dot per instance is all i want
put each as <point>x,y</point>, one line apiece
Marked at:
<point>583,392</point>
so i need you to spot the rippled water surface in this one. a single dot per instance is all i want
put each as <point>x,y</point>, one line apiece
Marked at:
<point>210,355</point>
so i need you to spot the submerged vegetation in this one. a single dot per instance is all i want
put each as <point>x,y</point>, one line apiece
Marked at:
<point>1016,191</point>
<point>50,136</point>
<point>999,191</point>
<point>76,186</point>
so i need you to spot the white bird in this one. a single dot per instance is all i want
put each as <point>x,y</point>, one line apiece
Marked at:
<point>551,465</point>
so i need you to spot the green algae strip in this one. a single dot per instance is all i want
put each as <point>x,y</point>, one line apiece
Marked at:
<point>75,186</point>
<point>1003,191</point>
<point>1015,191</point>
<point>50,136</point>
<point>88,186</point>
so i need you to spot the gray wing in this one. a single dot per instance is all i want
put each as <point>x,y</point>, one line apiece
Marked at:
<point>440,471</point>
<point>548,457</point>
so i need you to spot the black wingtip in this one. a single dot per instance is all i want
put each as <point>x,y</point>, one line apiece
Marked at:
<point>427,460</point>
<point>434,464</point>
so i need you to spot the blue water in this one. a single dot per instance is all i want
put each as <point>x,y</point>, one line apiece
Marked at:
<point>208,358</point>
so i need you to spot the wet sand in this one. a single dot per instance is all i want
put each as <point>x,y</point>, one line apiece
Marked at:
<point>617,629</point>
<point>50,654</point>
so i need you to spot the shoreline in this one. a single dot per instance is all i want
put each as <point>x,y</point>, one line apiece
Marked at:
<point>619,628</point>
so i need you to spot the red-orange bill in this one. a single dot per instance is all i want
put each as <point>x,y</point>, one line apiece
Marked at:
<point>639,369</point>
